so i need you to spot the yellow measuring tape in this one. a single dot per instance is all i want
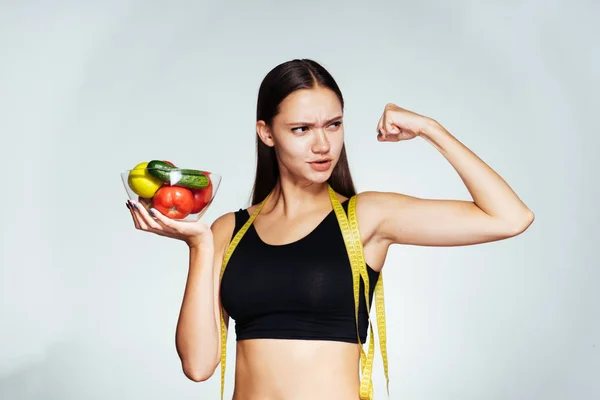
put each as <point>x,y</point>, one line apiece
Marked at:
<point>351,234</point>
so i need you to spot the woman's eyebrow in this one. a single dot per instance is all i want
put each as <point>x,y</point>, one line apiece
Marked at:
<point>330,120</point>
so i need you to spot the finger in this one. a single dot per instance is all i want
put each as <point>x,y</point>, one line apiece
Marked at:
<point>136,208</point>
<point>165,221</point>
<point>391,127</point>
<point>138,217</point>
<point>168,226</point>
<point>132,212</point>
<point>146,223</point>
<point>147,219</point>
<point>380,130</point>
<point>385,128</point>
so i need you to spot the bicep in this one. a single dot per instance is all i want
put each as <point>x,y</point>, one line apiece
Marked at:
<point>403,219</point>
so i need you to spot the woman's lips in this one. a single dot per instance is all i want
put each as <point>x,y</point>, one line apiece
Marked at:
<point>320,165</point>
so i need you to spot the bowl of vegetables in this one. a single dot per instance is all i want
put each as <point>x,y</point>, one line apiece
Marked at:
<point>177,193</point>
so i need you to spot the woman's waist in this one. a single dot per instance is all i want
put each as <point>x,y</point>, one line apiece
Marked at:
<point>296,369</point>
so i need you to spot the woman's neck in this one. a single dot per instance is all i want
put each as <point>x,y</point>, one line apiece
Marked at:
<point>292,198</point>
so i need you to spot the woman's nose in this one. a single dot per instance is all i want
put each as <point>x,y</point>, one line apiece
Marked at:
<point>321,143</point>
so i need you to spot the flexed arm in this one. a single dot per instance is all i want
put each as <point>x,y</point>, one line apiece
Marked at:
<point>495,213</point>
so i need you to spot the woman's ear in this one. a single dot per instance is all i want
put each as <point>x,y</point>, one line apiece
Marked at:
<point>264,133</point>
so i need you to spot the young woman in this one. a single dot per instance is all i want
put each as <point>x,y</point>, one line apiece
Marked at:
<point>288,283</point>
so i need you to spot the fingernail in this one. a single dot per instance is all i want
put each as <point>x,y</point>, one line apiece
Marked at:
<point>151,212</point>
<point>135,206</point>
<point>127,205</point>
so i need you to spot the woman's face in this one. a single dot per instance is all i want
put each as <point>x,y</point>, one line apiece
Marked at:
<point>307,134</point>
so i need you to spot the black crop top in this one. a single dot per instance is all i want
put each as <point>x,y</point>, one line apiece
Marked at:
<point>301,290</point>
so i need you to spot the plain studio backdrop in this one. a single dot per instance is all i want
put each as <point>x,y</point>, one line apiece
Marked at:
<point>89,305</point>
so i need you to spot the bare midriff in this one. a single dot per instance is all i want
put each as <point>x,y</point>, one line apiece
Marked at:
<point>282,369</point>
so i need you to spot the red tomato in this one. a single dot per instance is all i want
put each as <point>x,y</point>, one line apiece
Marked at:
<point>202,196</point>
<point>173,201</point>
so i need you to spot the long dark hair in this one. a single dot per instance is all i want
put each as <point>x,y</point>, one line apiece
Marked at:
<point>280,82</point>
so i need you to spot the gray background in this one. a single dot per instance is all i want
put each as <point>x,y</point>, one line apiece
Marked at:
<point>88,305</point>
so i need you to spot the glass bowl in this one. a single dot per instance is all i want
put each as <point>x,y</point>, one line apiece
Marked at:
<point>181,194</point>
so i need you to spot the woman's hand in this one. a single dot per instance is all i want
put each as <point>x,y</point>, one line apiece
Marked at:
<point>398,124</point>
<point>192,233</point>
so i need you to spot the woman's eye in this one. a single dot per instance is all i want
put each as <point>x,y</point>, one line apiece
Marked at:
<point>335,125</point>
<point>300,129</point>
<point>303,129</point>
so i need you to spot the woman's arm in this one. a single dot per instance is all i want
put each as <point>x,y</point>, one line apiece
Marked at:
<point>198,338</point>
<point>495,213</point>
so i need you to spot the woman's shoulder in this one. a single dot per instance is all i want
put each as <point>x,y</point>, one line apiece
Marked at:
<point>222,228</point>
<point>228,220</point>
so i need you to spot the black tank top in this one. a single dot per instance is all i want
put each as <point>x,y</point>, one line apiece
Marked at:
<point>301,290</point>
